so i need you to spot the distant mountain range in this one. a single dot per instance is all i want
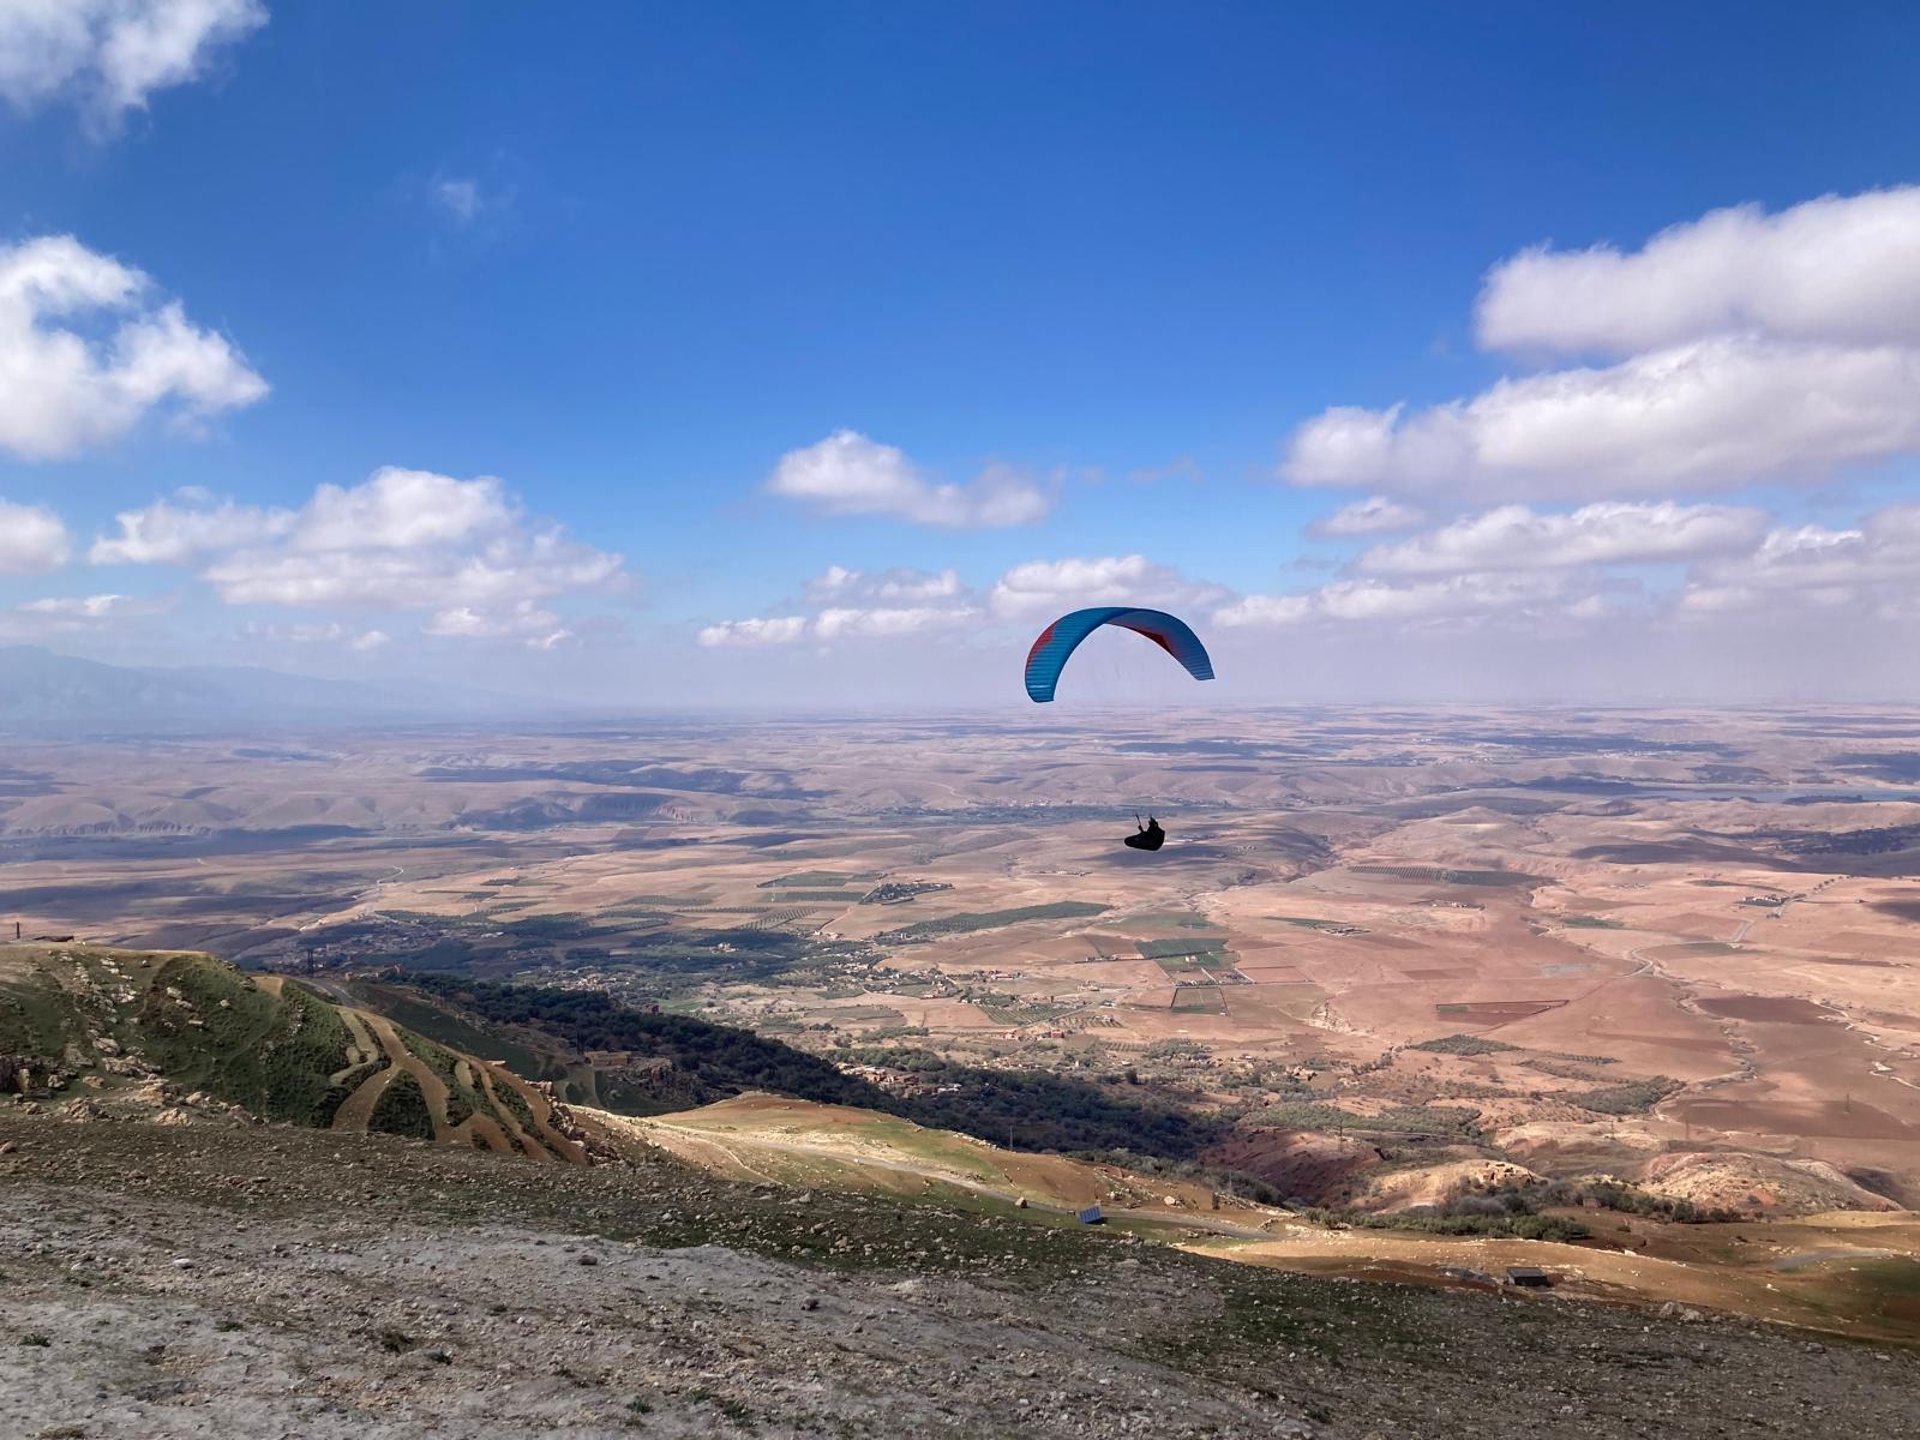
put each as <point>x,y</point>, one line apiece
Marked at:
<point>44,693</point>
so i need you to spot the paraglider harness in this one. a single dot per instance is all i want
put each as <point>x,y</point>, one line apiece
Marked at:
<point>1150,835</point>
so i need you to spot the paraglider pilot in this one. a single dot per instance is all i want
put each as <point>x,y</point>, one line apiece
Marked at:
<point>1149,837</point>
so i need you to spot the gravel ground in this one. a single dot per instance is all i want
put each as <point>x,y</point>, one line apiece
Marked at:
<point>173,1282</point>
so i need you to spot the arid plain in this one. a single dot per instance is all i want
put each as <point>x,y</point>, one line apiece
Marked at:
<point>1399,949</point>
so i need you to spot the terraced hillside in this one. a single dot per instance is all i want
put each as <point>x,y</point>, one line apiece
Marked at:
<point>127,1032</point>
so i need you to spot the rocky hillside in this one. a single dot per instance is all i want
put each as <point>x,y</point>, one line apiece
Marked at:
<point>250,1282</point>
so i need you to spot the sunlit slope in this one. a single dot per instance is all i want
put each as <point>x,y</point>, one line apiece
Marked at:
<point>797,1142</point>
<point>1846,1272</point>
<point>142,1032</point>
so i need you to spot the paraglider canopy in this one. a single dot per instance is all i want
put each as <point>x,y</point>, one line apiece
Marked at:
<point>1060,639</point>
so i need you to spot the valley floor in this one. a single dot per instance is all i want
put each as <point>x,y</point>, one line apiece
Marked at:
<point>264,1281</point>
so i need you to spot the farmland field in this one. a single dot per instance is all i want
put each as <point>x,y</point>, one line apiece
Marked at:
<point>1346,925</point>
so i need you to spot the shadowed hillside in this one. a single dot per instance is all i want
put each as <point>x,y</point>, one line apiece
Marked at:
<point>669,1062</point>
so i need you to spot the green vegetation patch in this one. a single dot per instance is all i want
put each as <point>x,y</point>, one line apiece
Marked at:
<point>1263,1311</point>
<point>1631,1200</point>
<point>1179,919</point>
<point>337,1092</point>
<point>462,1100</point>
<point>1522,1226</point>
<point>1309,922</point>
<point>1888,1287</point>
<point>1463,1045</point>
<point>1165,949</point>
<point>402,1109</point>
<point>405,1008</point>
<point>990,920</point>
<point>1590,922</point>
<point>1188,964</point>
<point>36,1023</point>
<point>513,1102</point>
<point>1016,1014</point>
<point>1397,1120</point>
<point>552,927</point>
<point>227,1036</point>
<point>1631,1097</point>
<point>1199,1000</point>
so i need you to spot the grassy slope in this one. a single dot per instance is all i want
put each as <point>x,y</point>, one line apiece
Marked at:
<point>798,1142</point>
<point>1864,1278</point>
<point>276,1049</point>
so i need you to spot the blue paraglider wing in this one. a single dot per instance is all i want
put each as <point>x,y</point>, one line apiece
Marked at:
<point>1063,636</point>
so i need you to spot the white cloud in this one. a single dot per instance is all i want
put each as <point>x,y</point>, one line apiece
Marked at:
<point>885,622</point>
<point>895,603</point>
<point>1705,416</point>
<point>1377,515</point>
<point>1265,611</point>
<point>401,509</point>
<point>840,583</point>
<point>459,198</point>
<point>112,55</point>
<point>1549,574</point>
<point>848,474</point>
<point>774,630</point>
<point>331,633</point>
<point>67,388</point>
<point>32,539</point>
<point>1874,569</point>
<point>1455,598</point>
<point>855,605</point>
<point>165,533</point>
<point>1608,533</point>
<point>80,607</point>
<point>1751,347</point>
<point>840,622</point>
<point>524,620</point>
<point>461,550</point>
<point>1042,586</point>
<point>836,581</point>
<point>1837,270</point>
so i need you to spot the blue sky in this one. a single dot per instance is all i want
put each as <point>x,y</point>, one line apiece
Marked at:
<point>1119,260</point>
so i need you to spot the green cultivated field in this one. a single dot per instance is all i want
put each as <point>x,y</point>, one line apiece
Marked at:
<point>991,920</point>
<point>1168,949</point>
